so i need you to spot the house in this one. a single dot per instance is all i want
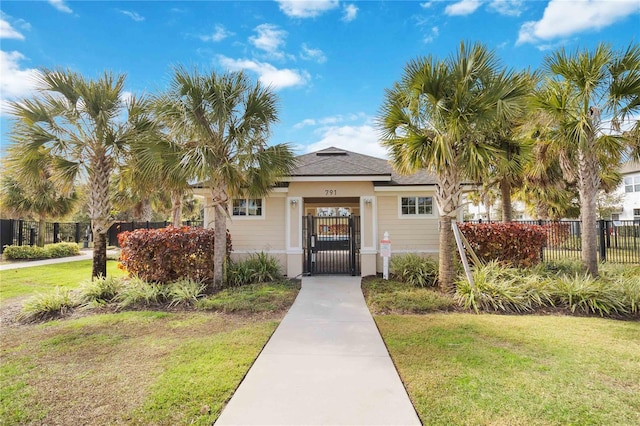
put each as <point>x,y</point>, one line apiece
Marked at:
<point>629,189</point>
<point>328,216</point>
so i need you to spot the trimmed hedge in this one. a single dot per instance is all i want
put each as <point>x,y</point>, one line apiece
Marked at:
<point>49,251</point>
<point>169,254</point>
<point>515,243</point>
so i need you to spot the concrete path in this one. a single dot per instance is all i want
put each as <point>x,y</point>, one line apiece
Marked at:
<point>84,255</point>
<point>325,364</point>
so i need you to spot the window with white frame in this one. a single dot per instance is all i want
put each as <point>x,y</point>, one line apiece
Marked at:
<point>247,207</point>
<point>632,184</point>
<point>636,214</point>
<point>416,206</point>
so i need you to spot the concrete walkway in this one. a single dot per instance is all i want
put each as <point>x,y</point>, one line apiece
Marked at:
<point>84,255</point>
<point>325,364</point>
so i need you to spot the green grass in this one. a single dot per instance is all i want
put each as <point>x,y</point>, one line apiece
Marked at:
<point>138,367</point>
<point>42,279</point>
<point>390,296</point>
<point>517,370</point>
<point>253,298</point>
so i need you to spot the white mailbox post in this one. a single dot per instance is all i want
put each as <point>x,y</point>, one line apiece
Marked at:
<point>385,252</point>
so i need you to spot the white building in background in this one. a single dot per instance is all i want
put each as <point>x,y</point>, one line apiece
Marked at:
<point>477,212</point>
<point>630,191</point>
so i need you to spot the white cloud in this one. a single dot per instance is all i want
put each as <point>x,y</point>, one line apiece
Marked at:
<point>362,139</point>
<point>61,6</point>
<point>267,73</point>
<point>332,119</point>
<point>435,31</point>
<point>219,34</point>
<point>564,18</point>
<point>16,83</point>
<point>7,31</point>
<point>310,54</point>
<point>269,39</point>
<point>507,7</point>
<point>350,13</point>
<point>463,7</point>
<point>133,15</point>
<point>306,8</point>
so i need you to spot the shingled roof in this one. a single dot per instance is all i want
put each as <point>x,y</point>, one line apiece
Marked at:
<point>339,162</point>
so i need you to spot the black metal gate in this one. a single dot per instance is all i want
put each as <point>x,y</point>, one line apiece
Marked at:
<point>331,245</point>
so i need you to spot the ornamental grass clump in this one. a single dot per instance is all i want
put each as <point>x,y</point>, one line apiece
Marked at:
<point>414,269</point>
<point>185,292</point>
<point>257,268</point>
<point>137,292</point>
<point>586,295</point>
<point>99,291</point>
<point>49,305</point>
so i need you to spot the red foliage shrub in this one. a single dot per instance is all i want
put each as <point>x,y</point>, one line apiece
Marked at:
<point>514,243</point>
<point>168,254</point>
<point>557,233</point>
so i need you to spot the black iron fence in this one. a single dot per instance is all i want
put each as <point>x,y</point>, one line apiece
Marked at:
<point>618,240</point>
<point>25,232</point>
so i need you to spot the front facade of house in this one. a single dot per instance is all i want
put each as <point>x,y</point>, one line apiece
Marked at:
<point>329,215</point>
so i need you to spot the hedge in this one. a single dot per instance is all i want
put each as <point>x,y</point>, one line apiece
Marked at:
<point>169,254</point>
<point>514,243</point>
<point>49,251</point>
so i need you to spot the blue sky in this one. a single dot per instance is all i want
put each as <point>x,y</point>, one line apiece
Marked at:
<point>329,61</point>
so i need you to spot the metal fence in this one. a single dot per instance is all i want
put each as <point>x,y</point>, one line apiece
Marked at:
<point>25,232</point>
<point>618,240</point>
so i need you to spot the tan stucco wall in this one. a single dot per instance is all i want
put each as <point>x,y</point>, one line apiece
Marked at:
<point>418,235</point>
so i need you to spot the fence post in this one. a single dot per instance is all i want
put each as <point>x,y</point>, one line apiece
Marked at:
<point>32,236</point>
<point>20,232</point>
<point>77,232</point>
<point>603,247</point>
<point>56,232</point>
<point>549,230</point>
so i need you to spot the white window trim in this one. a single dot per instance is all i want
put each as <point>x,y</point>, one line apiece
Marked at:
<point>261,217</point>
<point>416,216</point>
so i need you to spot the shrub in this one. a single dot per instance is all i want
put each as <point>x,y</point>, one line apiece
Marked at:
<point>583,294</point>
<point>415,270</point>
<point>185,292</point>
<point>515,243</point>
<point>99,291</point>
<point>138,292</point>
<point>49,251</point>
<point>257,268</point>
<point>169,254</point>
<point>45,306</point>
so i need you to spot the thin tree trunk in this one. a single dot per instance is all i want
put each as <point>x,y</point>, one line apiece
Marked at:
<point>146,212</point>
<point>176,209</point>
<point>588,183</point>
<point>220,199</point>
<point>99,211</point>
<point>99,255</point>
<point>448,194</point>
<point>505,190</point>
<point>41,231</point>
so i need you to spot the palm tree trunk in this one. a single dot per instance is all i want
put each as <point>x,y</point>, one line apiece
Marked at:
<point>448,194</point>
<point>220,234</point>
<point>505,190</point>
<point>588,183</point>
<point>99,212</point>
<point>146,213</point>
<point>41,231</point>
<point>176,208</point>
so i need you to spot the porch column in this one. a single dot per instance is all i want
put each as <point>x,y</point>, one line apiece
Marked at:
<point>294,209</point>
<point>368,235</point>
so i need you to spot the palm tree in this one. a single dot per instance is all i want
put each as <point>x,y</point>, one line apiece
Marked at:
<point>584,93</point>
<point>81,123</point>
<point>437,118</point>
<point>27,188</point>
<point>222,122</point>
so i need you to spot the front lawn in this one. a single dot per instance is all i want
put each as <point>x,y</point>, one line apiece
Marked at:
<point>517,370</point>
<point>41,279</point>
<point>132,367</point>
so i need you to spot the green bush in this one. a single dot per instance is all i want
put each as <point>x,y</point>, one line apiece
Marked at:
<point>185,292</point>
<point>50,305</point>
<point>257,268</point>
<point>583,294</point>
<point>49,251</point>
<point>414,269</point>
<point>137,292</point>
<point>99,291</point>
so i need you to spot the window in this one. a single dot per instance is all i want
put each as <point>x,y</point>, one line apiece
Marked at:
<point>632,184</point>
<point>416,206</point>
<point>247,207</point>
<point>636,214</point>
